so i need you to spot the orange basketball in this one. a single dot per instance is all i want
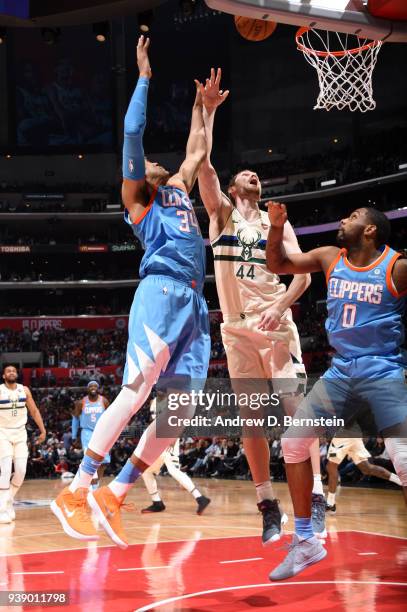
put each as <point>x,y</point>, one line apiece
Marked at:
<point>254,29</point>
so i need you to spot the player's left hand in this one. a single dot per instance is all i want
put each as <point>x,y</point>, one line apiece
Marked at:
<point>211,94</point>
<point>270,318</point>
<point>41,437</point>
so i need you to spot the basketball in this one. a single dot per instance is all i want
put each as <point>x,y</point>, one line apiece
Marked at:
<point>254,29</point>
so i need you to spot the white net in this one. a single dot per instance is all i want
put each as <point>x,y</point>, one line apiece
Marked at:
<point>344,64</point>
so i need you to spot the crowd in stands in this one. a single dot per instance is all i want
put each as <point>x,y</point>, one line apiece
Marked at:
<point>69,348</point>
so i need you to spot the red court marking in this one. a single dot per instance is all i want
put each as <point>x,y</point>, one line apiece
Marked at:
<point>193,578</point>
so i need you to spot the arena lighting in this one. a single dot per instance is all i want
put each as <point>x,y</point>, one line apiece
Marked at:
<point>101,31</point>
<point>3,34</point>
<point>50,35</point>
<point>328,183</point>
<point>145,20</point>
<point>80,156</point>
<point>402,166</point>
<point>8,156</point>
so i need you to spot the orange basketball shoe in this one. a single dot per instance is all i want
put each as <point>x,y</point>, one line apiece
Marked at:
<point>73,512</point>
<point>106,508</point>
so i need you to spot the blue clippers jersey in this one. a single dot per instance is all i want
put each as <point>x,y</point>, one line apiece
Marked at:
<point>169,232</point>
<point>364,310</point>
<point>91,412</point>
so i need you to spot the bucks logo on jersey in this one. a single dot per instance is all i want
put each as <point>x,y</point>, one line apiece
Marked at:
<point>248,239</point>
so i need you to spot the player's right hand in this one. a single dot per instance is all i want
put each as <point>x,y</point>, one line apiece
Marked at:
<point>211,94</point>
<point>277,213</point>
<point>143,61</point>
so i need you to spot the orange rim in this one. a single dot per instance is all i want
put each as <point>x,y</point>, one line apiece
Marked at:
<point>305,49</point>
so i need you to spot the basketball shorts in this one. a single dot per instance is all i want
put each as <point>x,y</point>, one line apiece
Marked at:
<point>352,386</point>
<point>13,443</point>
<point>86,435</point>
<point>255,354</point>
<point>169,336</point>
<point>347,447</point>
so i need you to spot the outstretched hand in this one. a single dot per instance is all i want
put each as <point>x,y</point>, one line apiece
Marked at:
<point>143,61</point>
<point>277,214</point>
<point>212,96</point>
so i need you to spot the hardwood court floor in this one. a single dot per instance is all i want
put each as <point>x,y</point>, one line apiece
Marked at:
<point>180,561</point>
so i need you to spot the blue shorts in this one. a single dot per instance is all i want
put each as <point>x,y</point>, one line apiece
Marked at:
<point>169,336</point>
<point>86,435</point>
<point>352,385</point>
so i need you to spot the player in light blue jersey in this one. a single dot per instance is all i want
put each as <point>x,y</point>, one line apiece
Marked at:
<point>87,412</point>
<point>367,283</point>
<point>168,324</point>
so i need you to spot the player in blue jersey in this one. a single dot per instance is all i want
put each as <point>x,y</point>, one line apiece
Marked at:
<point>168,324</point>
<point>86,414</point>
<point>367,282</point>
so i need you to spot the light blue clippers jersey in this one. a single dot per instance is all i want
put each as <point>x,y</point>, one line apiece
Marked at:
<point>365,311</point>
<point>91,412</point>
<point>169,232</point>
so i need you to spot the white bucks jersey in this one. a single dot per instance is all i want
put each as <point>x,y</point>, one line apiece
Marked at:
<point>243,281</point>
<point>13,409</point>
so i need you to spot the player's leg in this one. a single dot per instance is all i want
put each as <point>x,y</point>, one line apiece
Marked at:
<point>370,469</point>
<point>6,457</point>
<point>326,398</point>
<point>150,482</point>
<point>171,461</point>
<point>243,345</point>
<point>332,469</point>
<point>186,369</point>
<point>20,467</point>
<point>147,355</point>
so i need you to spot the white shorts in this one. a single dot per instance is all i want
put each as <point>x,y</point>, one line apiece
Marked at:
<point>351,447</point>
<point>256,354</point>
<point>13,443</point>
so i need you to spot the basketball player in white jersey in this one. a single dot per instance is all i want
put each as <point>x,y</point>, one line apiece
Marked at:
<point>170,458</point>
<point>354,448</point>
<point>15,399</point>
<point>260,338</point>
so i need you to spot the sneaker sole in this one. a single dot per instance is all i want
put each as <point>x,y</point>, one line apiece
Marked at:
<point>318,557</point>
<point>104,522</point>
<point>200,511</point>
<point>67,528</point>
<point>151,511</point>
<point>277,536</point>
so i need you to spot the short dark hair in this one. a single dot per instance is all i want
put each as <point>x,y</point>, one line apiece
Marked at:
<point>9,365</point>
<point>379,219</point>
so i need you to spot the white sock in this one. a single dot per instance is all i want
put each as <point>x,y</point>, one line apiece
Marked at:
<point>331,499</point>
<point>196,493</point>
<point>318,490</point>
<point>395,478</point>
<point>264,491</point>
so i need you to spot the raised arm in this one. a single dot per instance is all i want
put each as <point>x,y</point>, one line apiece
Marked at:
<point>35,414</point>
<point>134,192</point>
<point>209,187</point>
<point>196,147</point>
<point>281,262</point>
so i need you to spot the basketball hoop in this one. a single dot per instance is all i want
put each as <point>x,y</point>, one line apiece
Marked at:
<point>344,64</point>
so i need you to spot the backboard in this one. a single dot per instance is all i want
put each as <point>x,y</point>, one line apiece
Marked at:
<point>349,16</point>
